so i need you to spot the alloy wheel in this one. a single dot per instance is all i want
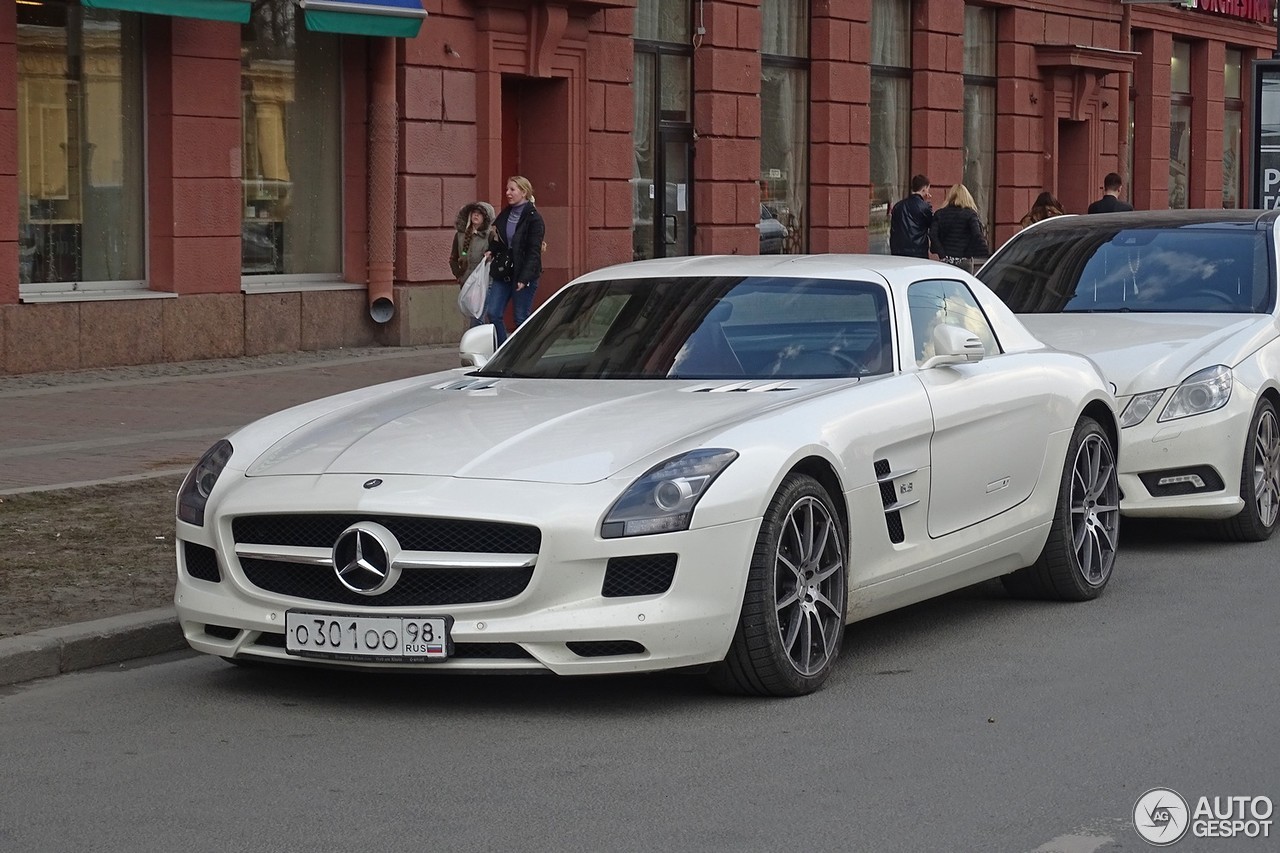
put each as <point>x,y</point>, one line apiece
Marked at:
<point>1266,468</point>
<point>809,578</point>
<point>1095,510</point>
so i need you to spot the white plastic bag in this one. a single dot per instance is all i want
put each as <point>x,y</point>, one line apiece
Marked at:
<point>474,290</point>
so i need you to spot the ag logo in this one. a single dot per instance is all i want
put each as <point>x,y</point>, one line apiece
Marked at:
<point>1161,816</point>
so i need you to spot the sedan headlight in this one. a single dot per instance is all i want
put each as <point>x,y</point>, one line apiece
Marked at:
<point>663,499</point>
<point>195,490</point>
<point>1140,405</point>
<point>1203,391</point>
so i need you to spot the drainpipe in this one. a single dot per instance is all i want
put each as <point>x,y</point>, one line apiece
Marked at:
<point>1122,108</point>
<point>381,208</point>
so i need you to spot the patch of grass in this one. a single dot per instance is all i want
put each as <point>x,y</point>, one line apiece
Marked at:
<point>87,553</point>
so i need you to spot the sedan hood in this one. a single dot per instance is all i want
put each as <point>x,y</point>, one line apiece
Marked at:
<point>539,430</point>
<point>1146,352</point>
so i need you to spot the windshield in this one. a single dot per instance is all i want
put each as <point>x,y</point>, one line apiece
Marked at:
<point>725,327</point>
<point>1086,268</point>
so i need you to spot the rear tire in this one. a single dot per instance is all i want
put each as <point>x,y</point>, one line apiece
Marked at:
<point>1078,556</point>
<point>793,612</point>
<point>1259,481</point>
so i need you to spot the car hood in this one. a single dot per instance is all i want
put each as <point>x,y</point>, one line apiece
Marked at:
<point>538,430</point>
<point>1146,352</point>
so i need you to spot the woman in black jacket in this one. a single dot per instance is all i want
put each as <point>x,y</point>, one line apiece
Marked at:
<point>519,231</point>
<point>957,235</point>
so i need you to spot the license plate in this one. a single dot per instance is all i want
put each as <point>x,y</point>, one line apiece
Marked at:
<point>381,639</point>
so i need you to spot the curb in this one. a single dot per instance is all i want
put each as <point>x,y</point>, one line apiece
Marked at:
<point>53,651</point>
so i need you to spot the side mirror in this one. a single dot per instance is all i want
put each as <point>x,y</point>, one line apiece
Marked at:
<point>954,345</point>
<point>477,346</point>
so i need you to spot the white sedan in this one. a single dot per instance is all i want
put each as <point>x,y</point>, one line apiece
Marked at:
<point>1179,310</point>
<point>712,463</point>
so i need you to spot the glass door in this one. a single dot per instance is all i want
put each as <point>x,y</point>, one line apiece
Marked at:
<point>675,166</point>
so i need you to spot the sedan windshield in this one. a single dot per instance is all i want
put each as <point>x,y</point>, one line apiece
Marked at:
<point>1087,268</point>
<point>704,328</point>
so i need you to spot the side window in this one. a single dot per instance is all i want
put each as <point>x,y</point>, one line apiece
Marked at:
<point>935,302</point>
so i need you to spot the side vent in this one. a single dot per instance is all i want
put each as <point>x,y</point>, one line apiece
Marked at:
<point>887,478</point>
<point>753,386</point>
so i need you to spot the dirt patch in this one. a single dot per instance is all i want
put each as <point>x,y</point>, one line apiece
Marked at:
<point>88,553</point>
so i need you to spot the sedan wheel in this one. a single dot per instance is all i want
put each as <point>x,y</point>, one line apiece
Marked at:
<point>1077,559</point>
<point>1259,480</point>
<point>793,613</point>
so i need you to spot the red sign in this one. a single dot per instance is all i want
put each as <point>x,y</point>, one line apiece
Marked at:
<point>1249,10</point>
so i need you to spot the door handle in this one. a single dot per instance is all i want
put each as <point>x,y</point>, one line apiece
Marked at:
<point>671,236</point>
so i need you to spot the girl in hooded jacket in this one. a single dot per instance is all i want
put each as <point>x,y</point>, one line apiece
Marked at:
<point>475,229</point>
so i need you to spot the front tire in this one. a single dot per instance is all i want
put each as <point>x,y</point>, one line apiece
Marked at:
<point>1259,480</point>
<point>793,612</point>
<point>1077,559</point>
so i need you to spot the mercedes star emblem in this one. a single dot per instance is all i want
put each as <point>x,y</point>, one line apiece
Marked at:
<point>364,558</point>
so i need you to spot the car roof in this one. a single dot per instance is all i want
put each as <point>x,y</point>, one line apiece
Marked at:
<point>872,267</point>
<point>1159,219</point>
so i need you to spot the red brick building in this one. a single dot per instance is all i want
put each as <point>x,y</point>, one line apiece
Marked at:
<point>203,178</point>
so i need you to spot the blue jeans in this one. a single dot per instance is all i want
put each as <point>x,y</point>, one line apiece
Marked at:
<point>495,305</point>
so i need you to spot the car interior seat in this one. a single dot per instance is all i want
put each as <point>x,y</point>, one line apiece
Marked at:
<point>708,351</point>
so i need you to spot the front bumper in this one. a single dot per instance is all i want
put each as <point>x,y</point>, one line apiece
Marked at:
<point>1152,451</point>
<point>691,623</point>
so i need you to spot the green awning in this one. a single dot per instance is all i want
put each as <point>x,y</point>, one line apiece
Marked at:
<point>211,10</point>
<point>391,18</point>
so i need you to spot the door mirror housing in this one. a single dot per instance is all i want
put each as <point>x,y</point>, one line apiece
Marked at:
<point>954,345</point>
<point>476,347</point>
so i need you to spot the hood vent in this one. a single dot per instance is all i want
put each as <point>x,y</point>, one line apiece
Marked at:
<point>468,384</point>
<point>753,386</point>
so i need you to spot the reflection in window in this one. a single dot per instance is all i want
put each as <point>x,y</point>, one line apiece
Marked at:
<point>292,180</point>
<point>936,303</point>
<point>784,124</point>
<point>980,109</point>
<point>80,208</point>
<point>889,140</point>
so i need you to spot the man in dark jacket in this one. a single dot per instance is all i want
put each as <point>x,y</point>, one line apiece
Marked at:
<point>909,221</point>
<point>1110,201</point>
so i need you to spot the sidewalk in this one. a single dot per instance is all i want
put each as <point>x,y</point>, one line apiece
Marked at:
<point>81,428</point>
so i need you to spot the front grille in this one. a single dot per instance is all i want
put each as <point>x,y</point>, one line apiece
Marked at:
<point>321,530</point>
<point>202,562</point>
<point>416,587</point>
<point>1208,476</point>
<point>606,648</point>
<point>648,574</point>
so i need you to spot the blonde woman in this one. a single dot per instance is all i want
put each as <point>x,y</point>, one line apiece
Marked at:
<point>957,235</point>
<point>519,232</point>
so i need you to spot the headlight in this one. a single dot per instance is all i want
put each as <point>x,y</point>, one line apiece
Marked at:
<point>195,490</point>
<point>663,499</point>
<point>1203,391</point>
<point>1140,405</point>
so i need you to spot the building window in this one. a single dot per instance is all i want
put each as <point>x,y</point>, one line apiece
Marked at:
<point>1233,112</point>
<point>291,84</point>
<point>661,177</point>
<point>784,123</point>
<point>80,131</point>
<point>980,109</point>
<point>1179,124</point>
<point>890,139</point>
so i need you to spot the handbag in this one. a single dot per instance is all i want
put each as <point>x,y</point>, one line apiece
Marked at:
<point>474,290</point>
<point>503,265</point>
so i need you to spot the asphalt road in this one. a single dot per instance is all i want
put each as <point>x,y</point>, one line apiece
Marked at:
<point>974,723</point>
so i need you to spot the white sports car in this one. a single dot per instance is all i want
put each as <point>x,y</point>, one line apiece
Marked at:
<point>1179,310</point>
<point>711,462</point>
